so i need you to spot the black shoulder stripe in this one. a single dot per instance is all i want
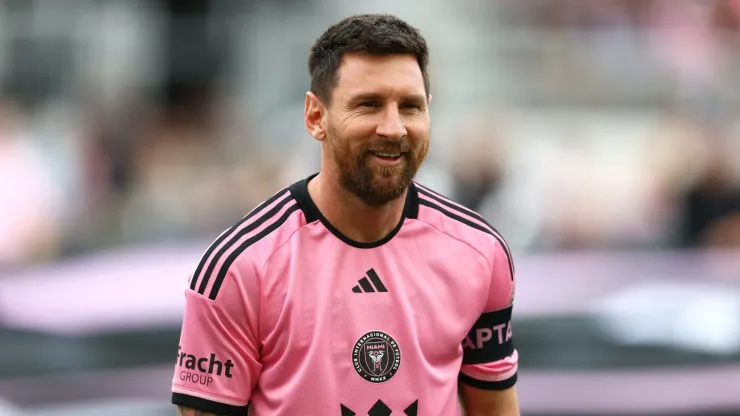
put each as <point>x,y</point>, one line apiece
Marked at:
<point>235,237</point>
<point>222,237</point>
<point>233,256</point>
<point>459,208</point>
<point>469,223</point>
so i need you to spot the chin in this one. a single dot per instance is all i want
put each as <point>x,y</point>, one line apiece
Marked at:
<point>391,187</point>
<point>380,199</point>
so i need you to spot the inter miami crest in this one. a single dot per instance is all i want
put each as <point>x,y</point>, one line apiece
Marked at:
<point>376,357</point>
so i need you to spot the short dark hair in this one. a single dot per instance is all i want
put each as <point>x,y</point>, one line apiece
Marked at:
<point>373,34</point>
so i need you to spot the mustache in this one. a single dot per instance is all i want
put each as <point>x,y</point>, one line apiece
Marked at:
<point>389,147</point>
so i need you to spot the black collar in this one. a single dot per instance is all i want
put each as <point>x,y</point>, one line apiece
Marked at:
<point>312,213</point>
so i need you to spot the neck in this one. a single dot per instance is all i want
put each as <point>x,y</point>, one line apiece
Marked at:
<point>350,215</point>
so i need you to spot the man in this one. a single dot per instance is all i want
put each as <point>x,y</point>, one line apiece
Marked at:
<point>355,291</point>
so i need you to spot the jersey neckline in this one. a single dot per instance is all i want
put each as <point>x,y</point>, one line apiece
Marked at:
<point>312,213</point>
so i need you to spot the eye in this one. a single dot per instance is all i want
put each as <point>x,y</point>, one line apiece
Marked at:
<point>412,106</point>
<point>369,104</point>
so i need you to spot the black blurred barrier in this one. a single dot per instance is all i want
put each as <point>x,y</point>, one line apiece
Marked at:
<point>128,363</point>
<point>554,343</point>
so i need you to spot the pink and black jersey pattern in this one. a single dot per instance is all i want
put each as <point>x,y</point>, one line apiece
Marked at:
<point>286,316</point>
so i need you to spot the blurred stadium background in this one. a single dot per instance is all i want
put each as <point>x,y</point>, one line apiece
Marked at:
<point>601,137</point>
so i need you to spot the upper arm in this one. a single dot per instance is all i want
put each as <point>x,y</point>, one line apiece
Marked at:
<point>218,361</point>
<point>189,411</point>
<point>478,402</point>
<point>490,361</point>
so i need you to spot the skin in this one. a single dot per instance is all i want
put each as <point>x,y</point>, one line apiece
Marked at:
<point>477,402</point>
<point>186,411</point>
<point>378,104</point>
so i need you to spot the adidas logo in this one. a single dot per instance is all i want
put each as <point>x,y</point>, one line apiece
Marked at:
<point>366,286</point>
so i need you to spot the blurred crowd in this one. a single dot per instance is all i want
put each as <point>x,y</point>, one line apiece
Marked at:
<point>582,124</point>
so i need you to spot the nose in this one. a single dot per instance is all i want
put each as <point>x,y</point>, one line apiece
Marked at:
<point>391,126</point>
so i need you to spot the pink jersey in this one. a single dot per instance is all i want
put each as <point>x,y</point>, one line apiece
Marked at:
<point>286,316</point>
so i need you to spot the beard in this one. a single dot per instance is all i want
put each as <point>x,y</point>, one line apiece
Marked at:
<point>376,185</point>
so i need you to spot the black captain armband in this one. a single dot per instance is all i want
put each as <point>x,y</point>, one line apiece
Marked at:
<point>490,338</point>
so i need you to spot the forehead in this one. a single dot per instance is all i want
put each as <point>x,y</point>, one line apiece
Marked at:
<point>386,75</point>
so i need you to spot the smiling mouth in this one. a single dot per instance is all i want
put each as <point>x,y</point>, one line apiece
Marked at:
<point>388,155</point>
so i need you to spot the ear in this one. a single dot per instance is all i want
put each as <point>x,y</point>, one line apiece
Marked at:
<point>313,115</point>
<point>429,99</point>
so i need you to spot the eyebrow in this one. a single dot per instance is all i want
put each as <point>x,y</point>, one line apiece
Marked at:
<point>370,96</point>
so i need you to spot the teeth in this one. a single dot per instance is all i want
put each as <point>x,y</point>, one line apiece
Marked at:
<point>388,154</point>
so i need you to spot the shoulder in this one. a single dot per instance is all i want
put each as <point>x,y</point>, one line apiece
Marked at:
<point>461,223</point>
<point>245,246</point>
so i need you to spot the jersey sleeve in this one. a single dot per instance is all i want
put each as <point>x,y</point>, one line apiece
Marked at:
<point>490,360</point>
<point>218,357</point>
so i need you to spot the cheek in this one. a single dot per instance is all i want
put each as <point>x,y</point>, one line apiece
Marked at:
<point>355,136</point>
<point>358,129</point>
<point>418,129</point>
<point>346,147</point>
